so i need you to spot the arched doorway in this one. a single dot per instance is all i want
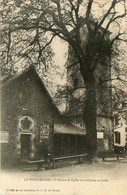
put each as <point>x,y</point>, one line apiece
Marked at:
<point>26,134</point>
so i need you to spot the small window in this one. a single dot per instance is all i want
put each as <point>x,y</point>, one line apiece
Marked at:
<point>26,123</point>
<point>116,120</point>
<point>117,137</point>
<point>125,129</point>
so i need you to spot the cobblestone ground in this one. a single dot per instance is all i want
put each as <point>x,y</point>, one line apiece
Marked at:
<point>101,178</point>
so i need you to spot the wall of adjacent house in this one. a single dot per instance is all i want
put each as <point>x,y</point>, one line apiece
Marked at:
<point>120,129</point>
<point>104,134</point>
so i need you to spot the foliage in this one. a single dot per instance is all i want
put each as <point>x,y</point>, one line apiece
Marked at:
<point>25,25</point>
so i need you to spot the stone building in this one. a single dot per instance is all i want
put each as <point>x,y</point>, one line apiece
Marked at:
<point>31,124</point>
<point>76,100</point>
<point>120,125</point>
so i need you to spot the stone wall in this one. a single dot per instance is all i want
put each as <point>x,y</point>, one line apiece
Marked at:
<point>25,95</point>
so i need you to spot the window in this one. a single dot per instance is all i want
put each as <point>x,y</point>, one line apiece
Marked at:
<point>26,123</point>
<point>117,137</point>
<point>116,120</point>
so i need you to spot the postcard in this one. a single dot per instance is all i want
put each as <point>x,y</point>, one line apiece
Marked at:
<point>63,97</point>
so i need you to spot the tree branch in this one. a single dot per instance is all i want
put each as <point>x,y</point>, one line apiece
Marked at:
<point>107,13</point>
<point>88,12</point>
<point>47,44</point>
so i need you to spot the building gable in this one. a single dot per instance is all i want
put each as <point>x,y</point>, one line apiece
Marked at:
<point>28,87</point>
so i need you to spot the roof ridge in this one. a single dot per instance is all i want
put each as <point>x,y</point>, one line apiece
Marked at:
<point>6,81</point>
<point>31,67</point>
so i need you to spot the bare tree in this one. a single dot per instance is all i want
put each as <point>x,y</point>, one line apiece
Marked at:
<point>64,19</point>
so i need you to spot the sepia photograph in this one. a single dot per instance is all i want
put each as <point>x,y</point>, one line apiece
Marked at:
<point>63,97</point>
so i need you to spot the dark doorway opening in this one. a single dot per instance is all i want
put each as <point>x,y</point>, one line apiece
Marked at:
<point>26,145</point>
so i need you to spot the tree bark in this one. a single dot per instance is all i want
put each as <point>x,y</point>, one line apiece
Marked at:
<point>90,115</point>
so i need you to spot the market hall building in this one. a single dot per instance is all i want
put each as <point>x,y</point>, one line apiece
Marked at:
<point>32,125</point>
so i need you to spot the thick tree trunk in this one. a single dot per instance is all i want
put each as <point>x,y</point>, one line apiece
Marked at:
<point>90,115</point>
